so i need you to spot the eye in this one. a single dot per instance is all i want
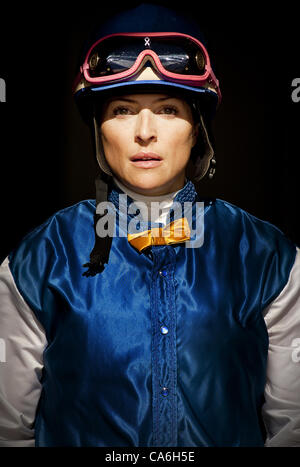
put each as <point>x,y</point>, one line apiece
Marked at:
<point>121,110</point>
<point>169,110</point>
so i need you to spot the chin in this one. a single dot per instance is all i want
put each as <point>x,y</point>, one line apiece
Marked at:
<point>148,183</point>
<point>152,189</point>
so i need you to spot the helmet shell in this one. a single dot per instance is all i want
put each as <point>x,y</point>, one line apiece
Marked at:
<point>146,18</point>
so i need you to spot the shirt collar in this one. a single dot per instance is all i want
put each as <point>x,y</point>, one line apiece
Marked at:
<point>186,194</point>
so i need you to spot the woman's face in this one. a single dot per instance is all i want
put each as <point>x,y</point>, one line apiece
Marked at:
<point>156,127</point>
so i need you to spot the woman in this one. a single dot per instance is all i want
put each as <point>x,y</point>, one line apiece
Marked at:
<point>180,332</point>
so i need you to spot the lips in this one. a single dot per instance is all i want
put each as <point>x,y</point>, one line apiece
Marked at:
<point>147,160</point>
<point>146,156</point>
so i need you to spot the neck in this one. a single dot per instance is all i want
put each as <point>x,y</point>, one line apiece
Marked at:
<point>151,203</point>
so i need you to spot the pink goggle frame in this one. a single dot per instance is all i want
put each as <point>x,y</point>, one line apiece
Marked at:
<point>207,79</point>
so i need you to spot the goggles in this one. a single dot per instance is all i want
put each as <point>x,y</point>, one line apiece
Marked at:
<point>177,57</point>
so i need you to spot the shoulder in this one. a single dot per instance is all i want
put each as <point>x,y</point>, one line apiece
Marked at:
<point>47,251</point>
<point>239,221</point>
<point>259,249</point>
<point>65,223</point>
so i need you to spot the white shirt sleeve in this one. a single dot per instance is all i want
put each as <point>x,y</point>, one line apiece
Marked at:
<point>281,411</point>
<point>22,342</point>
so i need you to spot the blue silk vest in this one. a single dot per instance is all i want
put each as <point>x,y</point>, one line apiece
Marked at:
<point>163,348</point>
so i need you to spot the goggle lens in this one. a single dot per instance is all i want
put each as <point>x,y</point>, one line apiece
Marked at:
<point>118,54</point>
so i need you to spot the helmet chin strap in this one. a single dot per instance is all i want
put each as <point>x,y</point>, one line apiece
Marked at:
<point>99,149</point>
<point>100,253</point>
<point>201,162</point>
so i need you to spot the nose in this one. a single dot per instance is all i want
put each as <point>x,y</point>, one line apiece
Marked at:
<point>145,131</point>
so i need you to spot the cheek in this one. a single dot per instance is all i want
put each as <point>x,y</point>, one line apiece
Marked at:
<point>179,139</point>
<point>114,139</point>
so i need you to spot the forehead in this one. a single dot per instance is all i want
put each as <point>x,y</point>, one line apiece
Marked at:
<point>144,98</point>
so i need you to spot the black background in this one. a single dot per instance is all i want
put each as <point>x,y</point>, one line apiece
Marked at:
<point>46,153</point>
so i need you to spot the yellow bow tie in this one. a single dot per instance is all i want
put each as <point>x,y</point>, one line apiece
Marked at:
<point>177,231</point>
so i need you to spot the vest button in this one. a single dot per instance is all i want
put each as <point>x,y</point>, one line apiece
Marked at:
<point>165,391</point>
<point>163,273</point>
<point>164,329</point>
